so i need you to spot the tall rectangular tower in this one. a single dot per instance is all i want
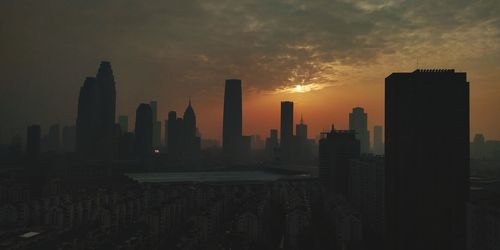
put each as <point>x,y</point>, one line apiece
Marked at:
<point>427,159</point>
<point>358,121</point>
<point>232,118</point>
<point>286,125</point>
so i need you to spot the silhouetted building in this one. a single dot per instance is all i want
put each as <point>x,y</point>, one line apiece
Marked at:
<point>156,125</point>
<point>123,121</point>
<point>367,181</point>
<point>302,146</point>
<point>272,143</point>
<point>54,138</point>
<point>232,119</point>
<point>286,130</point>
<point>173,134</point>
<point>33,141</point>
<point>96,114</point>
<point>170,131</point>
<point>301,129</point>
<point>183,142</point>
<point>483,215</point>
<point>69,138</point>
<point>126,145</point>
<point>144,130</point>
<point>378,144</point>
<point>427,159</point>
<point>191,141</point>
<point>335,150</point>
<point>358,121</point>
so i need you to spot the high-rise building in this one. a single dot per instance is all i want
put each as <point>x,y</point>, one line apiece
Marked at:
<point>426,159</point>
<point>144,130</point>
<point>191,141</point>
<point>183,141</point>
<point>272,142</point>
<point>358,121</point>
<point>367,195</point>
<point>173,134</point>
<point>335,150</point>
<point>96,114</point>
<point>33,141</point>
<point>156,125</point>
<point>154,109</point>
<point>123,121</point>
<point>301,129</point>
<point>286,130</point>
<point>232,118</point>
<point>303,148</point>
<point>378,144</point>
<point>189,122</point>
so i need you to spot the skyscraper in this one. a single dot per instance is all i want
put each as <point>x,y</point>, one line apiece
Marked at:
<point>232,118</point>
<point>286,129</point>
<point>144,130</point>
<point>172,134</point>
<point>301,129</point>
<point>192,142</point>
<point>272,142</point>
<point>33,141</point>
<point>123,121</point>
<point>358,121</point>
<point>156,125</point>
<point>154,109</point>
<point>427,159</point>
<point>96,114</point>
<point>189,122</point>
<point>335,150</point>
<point>378,144</point>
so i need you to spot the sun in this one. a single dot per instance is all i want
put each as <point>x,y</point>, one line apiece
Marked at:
<point>299,89</point>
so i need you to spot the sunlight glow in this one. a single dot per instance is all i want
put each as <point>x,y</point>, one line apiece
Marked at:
<point>301,88</point>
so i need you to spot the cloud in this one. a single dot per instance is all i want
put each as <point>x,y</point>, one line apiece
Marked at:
<point>172,49</point>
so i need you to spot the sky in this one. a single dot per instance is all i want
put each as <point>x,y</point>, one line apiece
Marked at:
<point>327,56</point>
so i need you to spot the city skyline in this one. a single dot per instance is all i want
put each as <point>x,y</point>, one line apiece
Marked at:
<point>250,124</point>
<point>343,121</point>
<point>340,57</point>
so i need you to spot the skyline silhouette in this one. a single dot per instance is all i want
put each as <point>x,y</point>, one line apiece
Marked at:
<point>250,125</point>
<point>413,196</point>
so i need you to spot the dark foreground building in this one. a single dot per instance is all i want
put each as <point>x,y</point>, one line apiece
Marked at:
<point>96,114</point>
<point>335,150</point>
<point>286,130</point>
<point>144,130</point>
<point>232,118</point>
<point>427,159</point>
